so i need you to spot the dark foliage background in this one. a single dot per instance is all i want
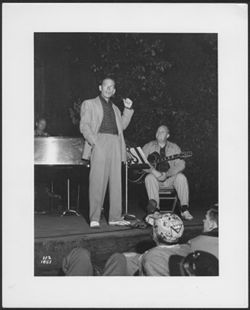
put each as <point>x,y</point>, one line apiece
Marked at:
<point>172,79</point>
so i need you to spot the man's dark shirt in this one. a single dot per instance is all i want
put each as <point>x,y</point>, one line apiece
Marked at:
<point>108,124</point>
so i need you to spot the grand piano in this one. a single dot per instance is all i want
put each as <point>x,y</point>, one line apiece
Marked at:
<point>60,158</point>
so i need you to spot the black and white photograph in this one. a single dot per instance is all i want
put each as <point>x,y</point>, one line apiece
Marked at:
<point>98,95</point>
<point>131,155</point>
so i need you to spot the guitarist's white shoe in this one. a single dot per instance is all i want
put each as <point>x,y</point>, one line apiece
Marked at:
<point>186,215</point>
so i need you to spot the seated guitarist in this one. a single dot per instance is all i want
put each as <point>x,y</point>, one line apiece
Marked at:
<point>169,176</point>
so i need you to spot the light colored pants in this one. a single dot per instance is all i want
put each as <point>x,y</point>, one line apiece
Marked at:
<point>178,182</point>
<point>105,168</point>
<point>78,263</point>
<point>133,262</point>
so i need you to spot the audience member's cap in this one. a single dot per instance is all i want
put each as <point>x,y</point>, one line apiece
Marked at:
<point>168,227</point>
<point>198,263</point>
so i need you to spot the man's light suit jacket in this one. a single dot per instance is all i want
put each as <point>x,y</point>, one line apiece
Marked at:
<point>91,119</point>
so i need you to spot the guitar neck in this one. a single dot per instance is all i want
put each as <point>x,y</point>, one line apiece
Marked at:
<point>176,156</point>
<point>171,157</point>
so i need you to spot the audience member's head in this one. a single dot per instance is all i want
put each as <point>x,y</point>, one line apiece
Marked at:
<point>167,228</point>
<point>41,125</point>
<point>211,220</point>
<point>198,263</point>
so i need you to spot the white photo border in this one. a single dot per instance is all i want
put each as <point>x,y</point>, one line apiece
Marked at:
<point>20,287</point>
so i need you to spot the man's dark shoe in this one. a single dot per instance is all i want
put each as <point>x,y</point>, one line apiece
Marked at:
<point>151,206</point>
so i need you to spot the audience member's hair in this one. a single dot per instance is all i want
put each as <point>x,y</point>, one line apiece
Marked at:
<point>214,215</point>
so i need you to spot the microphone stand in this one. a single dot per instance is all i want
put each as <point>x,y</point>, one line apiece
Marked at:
<point>127,216</point>
<point>69,211</point>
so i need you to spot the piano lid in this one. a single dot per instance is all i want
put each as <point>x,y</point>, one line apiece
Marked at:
<point>58,151</point>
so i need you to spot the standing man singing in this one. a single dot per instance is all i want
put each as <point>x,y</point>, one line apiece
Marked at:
<point>102,126</point>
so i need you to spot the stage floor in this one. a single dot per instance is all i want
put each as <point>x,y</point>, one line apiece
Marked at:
<point>51,226</point>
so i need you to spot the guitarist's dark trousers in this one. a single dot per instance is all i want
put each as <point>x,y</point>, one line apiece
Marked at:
<point>178,182</point>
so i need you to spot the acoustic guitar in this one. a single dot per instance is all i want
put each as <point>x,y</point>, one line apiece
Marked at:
<point>159,163</point>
